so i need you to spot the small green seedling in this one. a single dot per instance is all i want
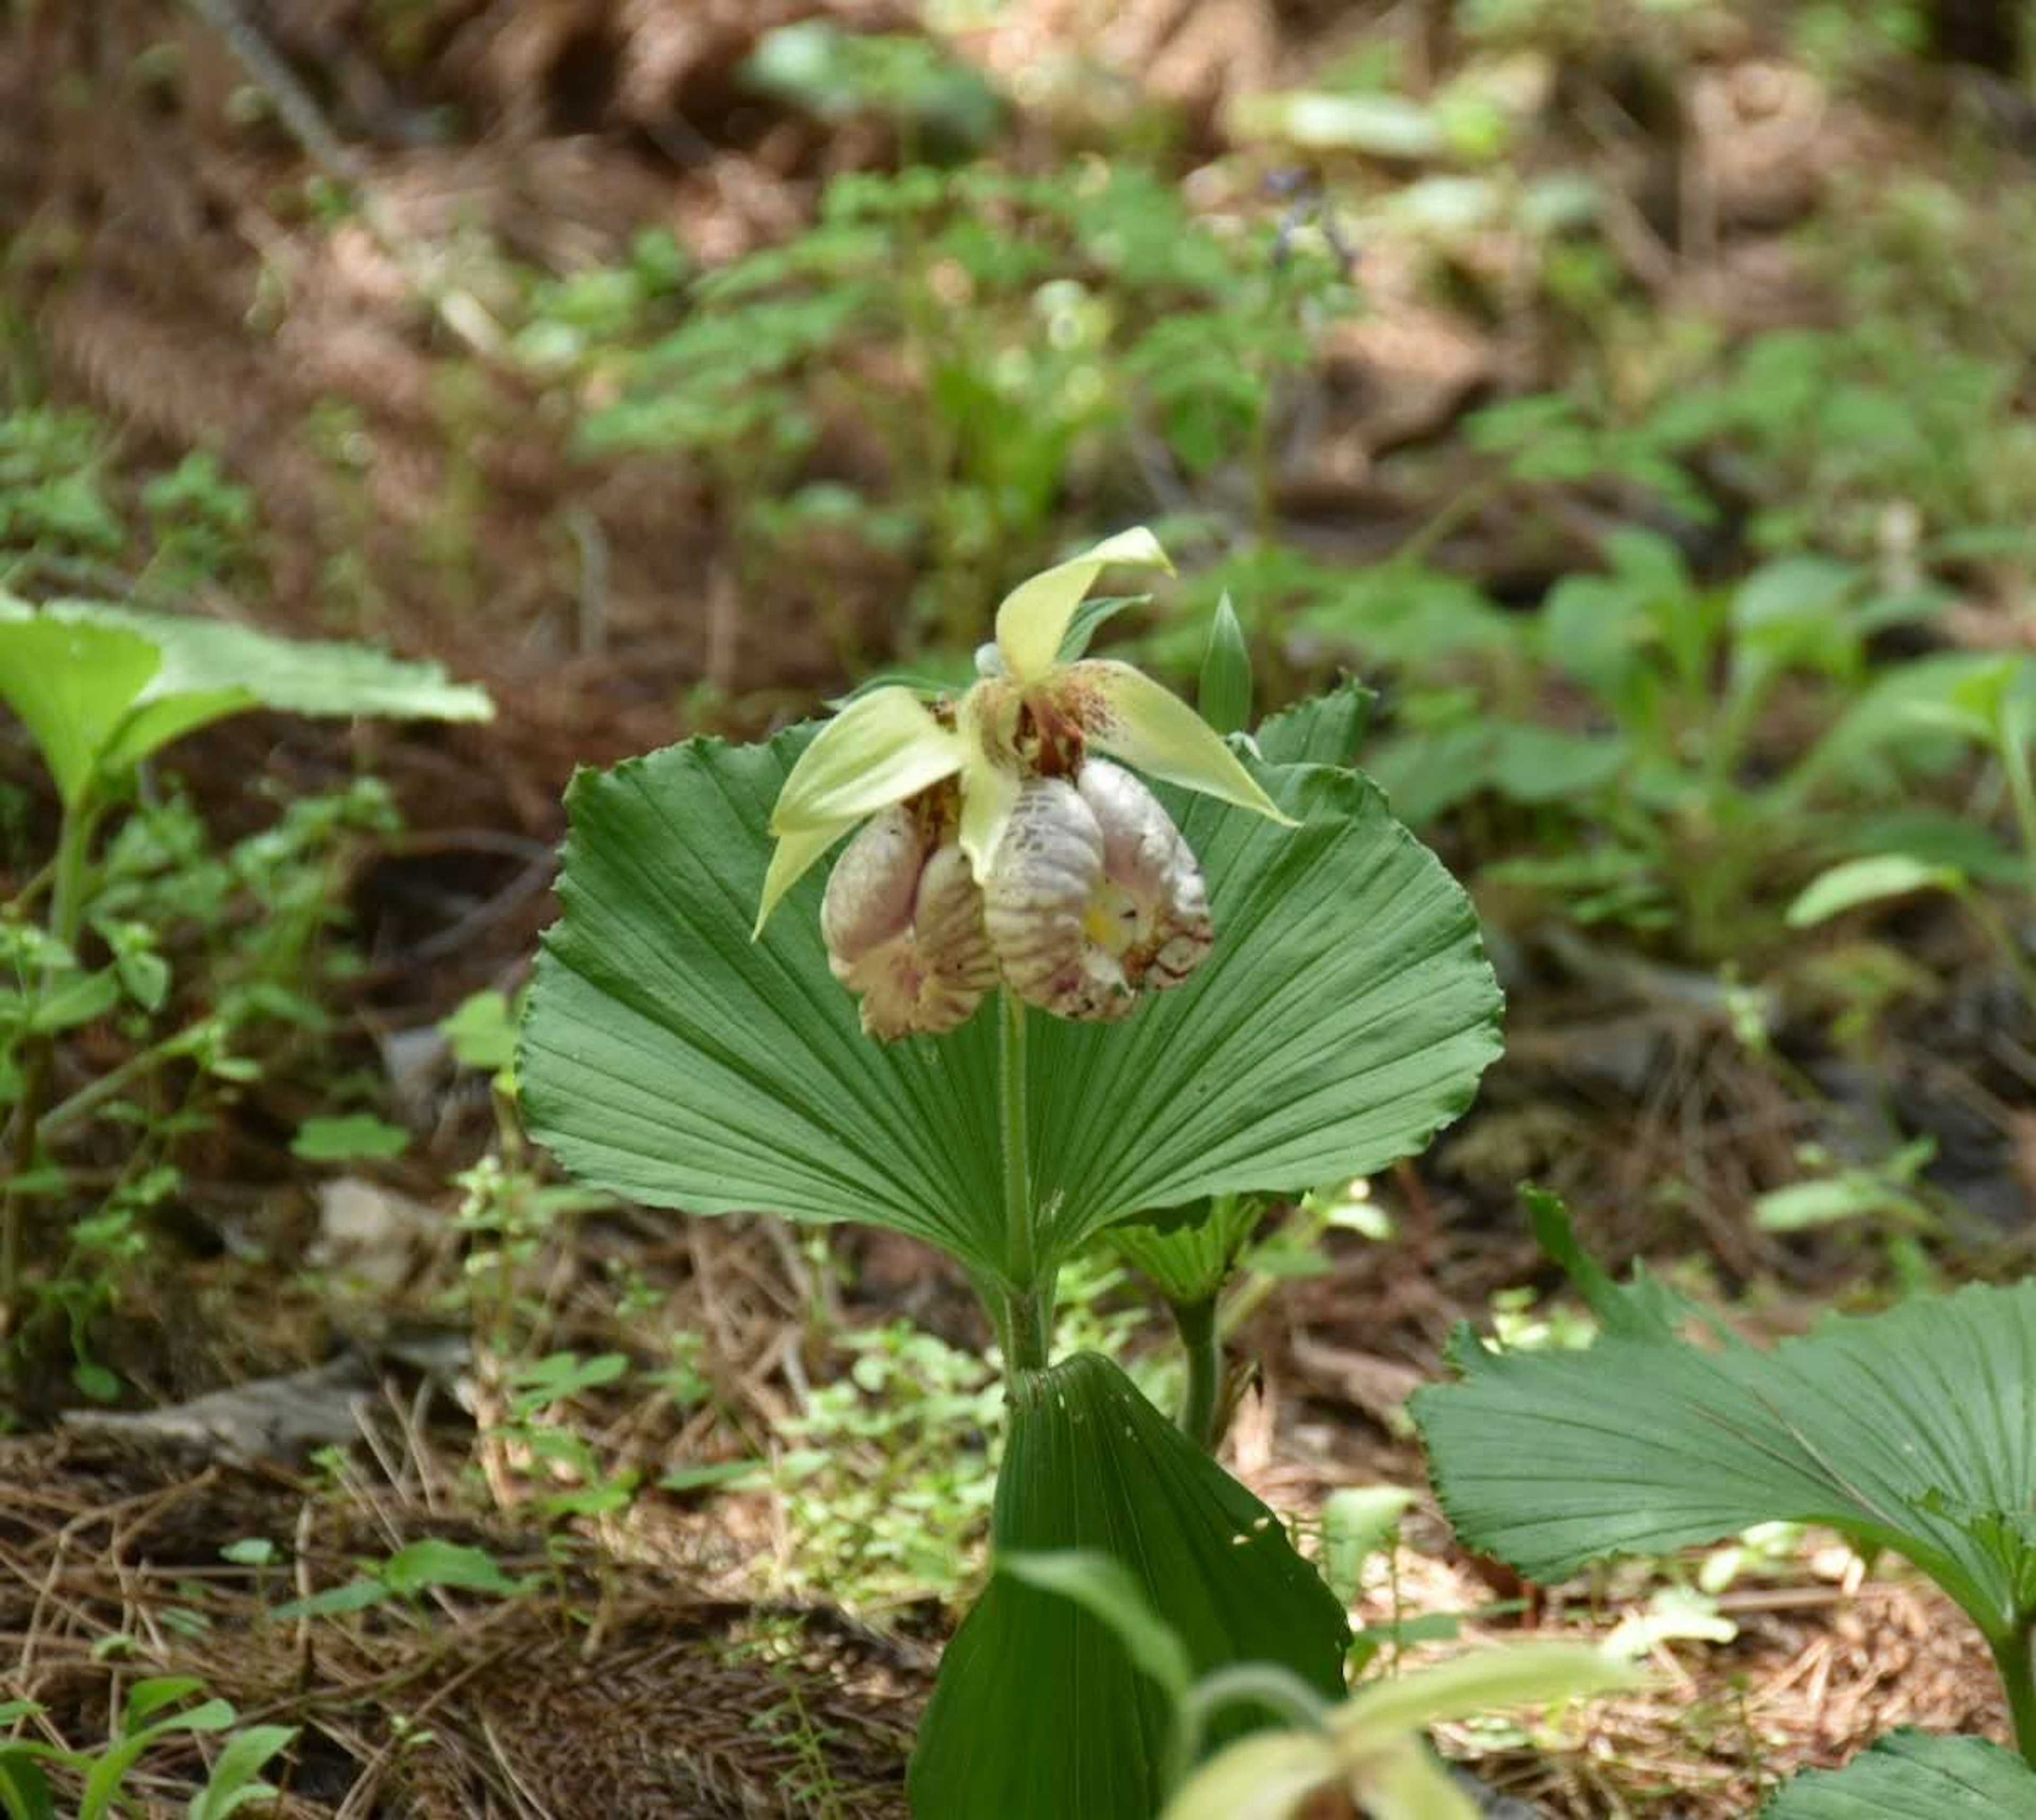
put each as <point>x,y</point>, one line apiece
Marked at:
<point>1369,1747</point>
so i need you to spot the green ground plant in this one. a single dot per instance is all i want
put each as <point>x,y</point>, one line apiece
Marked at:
<point>101,690</point>
<point>1369,1747</point>
<point>1019,314</point>
<point>156,1711</point>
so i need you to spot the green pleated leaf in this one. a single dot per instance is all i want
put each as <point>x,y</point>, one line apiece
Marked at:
<point>1322,730</point>
<point>1040,1713</point>
<point>1913,1430</point>
<point>102,687</point>
<point>667,1056</point>
<point>1911,1773</point>
<point>1344,1017</point>
<point>1104,1587</point>
<point>1186,1254</point>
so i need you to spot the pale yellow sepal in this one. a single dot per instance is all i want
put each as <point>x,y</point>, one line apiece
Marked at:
<point>791,859</point>
<point>1371,1745</point>
<point>1520,1674</point>
<point>879,749</point>
<point>1035,615</point>
<point>1404,1781</point>
<point>1128,715</point>
<point>990,780</point>
<point>882,747</point>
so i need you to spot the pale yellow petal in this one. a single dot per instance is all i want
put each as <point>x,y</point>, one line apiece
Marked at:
<point>1266,1776</point>
<point>879,749</point>
<point>791,860</point>
<point>1035,615</point>
<point>1127,714</point>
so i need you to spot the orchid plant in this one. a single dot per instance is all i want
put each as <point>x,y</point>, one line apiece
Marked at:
<point>1223,972</point>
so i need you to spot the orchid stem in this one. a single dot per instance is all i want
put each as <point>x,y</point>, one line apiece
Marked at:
<point>1203,1345</point>
<point>1025,1318</point>
<point>2017,1678</point>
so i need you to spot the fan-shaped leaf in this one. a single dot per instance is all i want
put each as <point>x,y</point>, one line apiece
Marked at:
<point>1345,1016</point>
<point>1040,1713</point>
<point>1914,1430</point>
<point>1908,1773</point>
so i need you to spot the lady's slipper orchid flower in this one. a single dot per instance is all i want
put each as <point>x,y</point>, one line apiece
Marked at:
<point>1097,895</point>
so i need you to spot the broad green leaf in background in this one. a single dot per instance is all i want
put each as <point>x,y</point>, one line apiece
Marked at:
<point>414,1568</point>
<point>481,1032</point>
<point>1040,1712</point>
<point>1884,1190</point>
<point>1358,1520</point>
<point>70,683</point>
<point>1917,716</point>
<point>434,1561</point>
<point>1913,1430</point>
<point>1427,772</point>
<point>1851,1194</point>
<point>1909,1773</point>
<point>350,1138</point>
<point>1793,610</point>
<point>108,1771</point>
<point>102,687</point>
<point>1344,1017</point>
<point>1378,124</point>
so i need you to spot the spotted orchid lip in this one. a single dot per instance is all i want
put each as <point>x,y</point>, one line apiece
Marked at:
<point>1169,931</point>
<point>1042,889</point>
<point>1095,896</point>
<point>903,920</point>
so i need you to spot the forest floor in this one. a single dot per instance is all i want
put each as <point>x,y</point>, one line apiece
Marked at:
<point>666,1655</point>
